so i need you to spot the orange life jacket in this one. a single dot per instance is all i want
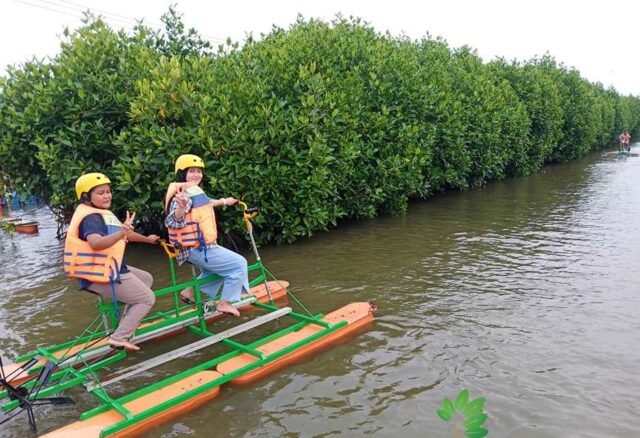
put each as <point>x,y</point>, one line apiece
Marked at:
<point>201,220</point>
<point>82,261</point>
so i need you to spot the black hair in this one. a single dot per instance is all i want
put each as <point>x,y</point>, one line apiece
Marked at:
<point>181,175</point>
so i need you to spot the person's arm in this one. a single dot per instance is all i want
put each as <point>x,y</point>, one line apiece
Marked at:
<point>139,238</point>
<point>223,202</point>
<point>94,231</point>
<point>98,242</point>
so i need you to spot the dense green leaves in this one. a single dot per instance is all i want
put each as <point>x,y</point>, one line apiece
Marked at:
<point>317,123</point>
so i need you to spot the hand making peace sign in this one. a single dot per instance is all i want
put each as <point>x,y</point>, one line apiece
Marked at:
<point>127,225</point>
<point>181,197</point>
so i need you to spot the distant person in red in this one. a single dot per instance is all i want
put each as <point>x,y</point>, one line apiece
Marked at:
<point>624,140</point>
<point>627,140</point>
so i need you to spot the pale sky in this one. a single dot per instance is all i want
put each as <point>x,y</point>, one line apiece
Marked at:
<point>597,37</point>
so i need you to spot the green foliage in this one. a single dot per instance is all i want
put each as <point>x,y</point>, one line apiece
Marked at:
<point>61,119</point>
<point>22,116</point>
<point>175,40</point>
<point>5,184</point>
<point>8,227</point>
<point>317,123</point>
<point>540,96</point>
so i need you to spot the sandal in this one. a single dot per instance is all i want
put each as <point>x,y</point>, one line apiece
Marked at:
<point>187,301</point>
<point>190,301</point>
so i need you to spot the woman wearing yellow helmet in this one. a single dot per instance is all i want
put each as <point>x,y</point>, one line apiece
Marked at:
<point>192,229</point>
<point>94,254</point>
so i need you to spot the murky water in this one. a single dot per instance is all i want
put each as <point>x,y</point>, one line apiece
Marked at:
<point>525,292</point>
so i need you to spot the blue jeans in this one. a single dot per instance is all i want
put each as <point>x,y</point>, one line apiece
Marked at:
<point>231,266</point>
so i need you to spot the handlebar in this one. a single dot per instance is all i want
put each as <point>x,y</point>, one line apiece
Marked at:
<point>248,214</point>
<point>171,250</point>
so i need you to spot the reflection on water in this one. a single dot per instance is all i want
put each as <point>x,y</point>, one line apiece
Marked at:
<point>525,292</point>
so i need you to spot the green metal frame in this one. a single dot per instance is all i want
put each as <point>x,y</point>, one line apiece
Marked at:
<point>71,375</point>
<point>177,314</point>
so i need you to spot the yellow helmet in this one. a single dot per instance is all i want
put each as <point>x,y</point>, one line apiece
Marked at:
<point>188,160</point>
<point>90,180</point>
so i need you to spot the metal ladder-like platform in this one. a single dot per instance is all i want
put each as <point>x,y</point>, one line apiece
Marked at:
<point>182,351</point>
<point>98,352</point>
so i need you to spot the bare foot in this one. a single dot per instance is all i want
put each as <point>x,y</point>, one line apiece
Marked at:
<point>227,308</point>
<point>123,344</point>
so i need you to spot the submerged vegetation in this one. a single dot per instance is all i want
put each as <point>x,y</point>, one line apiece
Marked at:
<point>316,123</point>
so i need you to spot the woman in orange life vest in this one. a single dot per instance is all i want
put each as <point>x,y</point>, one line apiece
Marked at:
<point>192,229</point>
<point>94,254</point>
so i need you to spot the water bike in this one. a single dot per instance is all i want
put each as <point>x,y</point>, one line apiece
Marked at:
<point>89,363</point>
